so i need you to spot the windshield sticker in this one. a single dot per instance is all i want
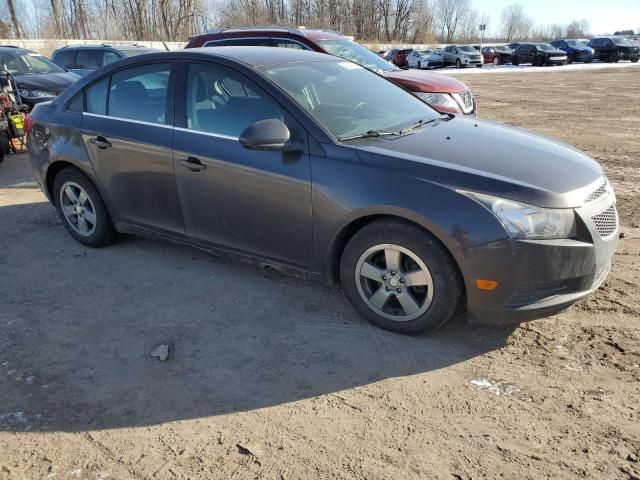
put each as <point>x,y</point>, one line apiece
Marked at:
<point>349,65</point>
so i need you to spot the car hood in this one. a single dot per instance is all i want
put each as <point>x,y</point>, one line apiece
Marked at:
<point>421,81</point>
<point>53,82</point>
<point>490,158</point>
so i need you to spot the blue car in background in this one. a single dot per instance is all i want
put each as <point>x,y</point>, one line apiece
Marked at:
<point>577,50</point>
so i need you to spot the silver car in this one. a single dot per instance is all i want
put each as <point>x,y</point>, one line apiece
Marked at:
<point>425,59</point>
<point>462,56</point>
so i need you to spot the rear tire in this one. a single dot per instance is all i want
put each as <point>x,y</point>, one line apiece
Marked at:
<point>496,61</point>
<point>422,288</point>
<point>81,209</point>
<point>5,148</point>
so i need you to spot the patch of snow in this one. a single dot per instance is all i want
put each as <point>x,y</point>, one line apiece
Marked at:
<point>497,388</point>
<point>488,69</point>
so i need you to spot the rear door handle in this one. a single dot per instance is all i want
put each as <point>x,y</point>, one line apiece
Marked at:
<point>100,142</point>
<point>193,164</point>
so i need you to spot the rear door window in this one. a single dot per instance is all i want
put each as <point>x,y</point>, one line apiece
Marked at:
<point>140,93</point>
<point>251,42</point>
<point>97,97</point>
<point>286,43</point>
<point>88,59</point>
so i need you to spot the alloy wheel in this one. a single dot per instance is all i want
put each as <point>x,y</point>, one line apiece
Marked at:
<point>394,282</point>
<point>78,209</point>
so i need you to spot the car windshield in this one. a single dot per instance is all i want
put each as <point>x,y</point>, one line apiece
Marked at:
<point>426,53</point>
<point>545,47</point>
<point>347,100</point>
<point>574,43</point>
<point>23,63</point>
<point>356,53</point>
<point>137,51</point>
<point>467,48</point>
<point>622,42</point>
<point>503,49</point>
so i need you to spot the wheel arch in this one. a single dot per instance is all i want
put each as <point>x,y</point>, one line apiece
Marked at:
<point>56,167</point>
<point>332,268</point>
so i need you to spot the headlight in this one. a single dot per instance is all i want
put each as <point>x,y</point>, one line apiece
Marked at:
<point>35,93</point>
<point>438,100</point>
<point>526,221</point>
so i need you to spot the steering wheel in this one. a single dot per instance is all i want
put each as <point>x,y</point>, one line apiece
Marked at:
<point>357,107</point>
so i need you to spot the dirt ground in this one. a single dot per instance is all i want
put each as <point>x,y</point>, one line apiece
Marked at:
<point>271,377</point>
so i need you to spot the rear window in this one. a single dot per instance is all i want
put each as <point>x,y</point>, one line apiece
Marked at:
<point>65,58</point>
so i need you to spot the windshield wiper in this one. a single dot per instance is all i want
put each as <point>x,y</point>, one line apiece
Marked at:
<point>370,134</point>
<point>418,124</point>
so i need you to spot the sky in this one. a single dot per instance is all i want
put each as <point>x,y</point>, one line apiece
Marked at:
<point>604,16</point>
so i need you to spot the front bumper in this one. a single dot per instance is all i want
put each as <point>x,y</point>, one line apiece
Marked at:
<point>582,57</point>
<point>472,61</point>
<point>538,278</point>
<point>559,60</point>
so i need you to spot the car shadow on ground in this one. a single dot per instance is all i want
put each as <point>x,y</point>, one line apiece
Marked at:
<point>77,326</point>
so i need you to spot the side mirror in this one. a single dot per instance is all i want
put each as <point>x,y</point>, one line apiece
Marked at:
<point>270,134</point>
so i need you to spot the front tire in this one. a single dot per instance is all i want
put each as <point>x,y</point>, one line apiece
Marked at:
<point>400,278</point>
<point>81,209</point>
<point>458,63</point>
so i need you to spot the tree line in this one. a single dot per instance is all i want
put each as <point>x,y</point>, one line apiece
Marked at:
<point>373,21</point>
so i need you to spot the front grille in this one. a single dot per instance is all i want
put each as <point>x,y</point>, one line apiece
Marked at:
<point>606,222</point>
<point>597,193</point>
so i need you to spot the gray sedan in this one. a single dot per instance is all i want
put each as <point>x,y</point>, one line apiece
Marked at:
<point>424,59</point>
<point>328,171</point>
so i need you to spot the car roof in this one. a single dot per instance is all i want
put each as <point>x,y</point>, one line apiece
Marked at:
<point>118,46</point>
<point>13,48</point>
<point>311,33</point>
<point>249,55</point>
<point>260,56</point>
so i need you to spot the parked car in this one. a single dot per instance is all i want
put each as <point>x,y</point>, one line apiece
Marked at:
<point>576,50</point>
<point>497,55</point>
<point>462,56</point>
<point>538,54</point>
<point>445,94</point>
<point>398,56</point>
<point>38,79</point>
<point>425,59</point>
<point>614,49</point>
<point>513,46</point>
<point>82,59</point>
<point>322,168</point>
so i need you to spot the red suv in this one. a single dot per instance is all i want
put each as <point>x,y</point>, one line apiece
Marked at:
<point>445,94</point>
<point>398,56</point>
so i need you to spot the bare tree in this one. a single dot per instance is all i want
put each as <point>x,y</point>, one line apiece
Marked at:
<point>450,15</point>
<point>515,24</point>
<point>17,29</point>
<point>578,29</point>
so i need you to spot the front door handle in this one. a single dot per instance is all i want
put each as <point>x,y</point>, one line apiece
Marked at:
<point>193,164</point>
<point>100,142</point>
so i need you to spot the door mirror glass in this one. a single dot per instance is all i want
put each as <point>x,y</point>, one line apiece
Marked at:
<point>269,134</point>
